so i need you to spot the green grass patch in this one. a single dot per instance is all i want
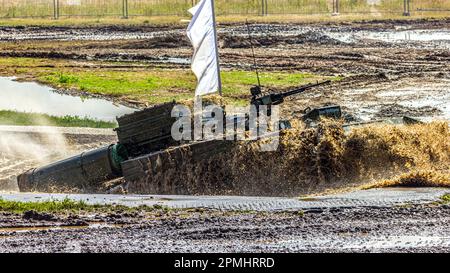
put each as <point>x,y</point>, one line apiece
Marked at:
<point>68,205</point>
<point>146,85</point>
<point>35,119</point>
<point>47,206</point>
<point>443,200</point>
<point>67,79</point>
<point>446,198</point>
<point>155,86</point>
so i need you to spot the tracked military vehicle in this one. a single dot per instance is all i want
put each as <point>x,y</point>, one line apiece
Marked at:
<point>146,152</point>
<point>145,147</point>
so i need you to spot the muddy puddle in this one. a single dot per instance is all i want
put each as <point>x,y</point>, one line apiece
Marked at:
<point>344,34</point>
<point>434,38</point>
<point>36,98</point>
<point>410,35</point>
<point>79,34</point>
<point>439,38</point>
<point>426,100</point>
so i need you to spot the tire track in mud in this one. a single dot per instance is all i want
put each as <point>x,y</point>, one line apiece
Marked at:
<point>279,47</point>
<point>421,228</point>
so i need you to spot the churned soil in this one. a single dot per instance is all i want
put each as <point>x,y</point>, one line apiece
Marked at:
<point>422,228</point>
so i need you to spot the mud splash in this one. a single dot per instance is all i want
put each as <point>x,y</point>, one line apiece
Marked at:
<point>415,179</point>
<point>306,162</point>
<point>21,151</point>
<point>25,147</point>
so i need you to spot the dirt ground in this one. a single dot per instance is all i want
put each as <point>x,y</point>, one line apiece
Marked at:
<point>388,68</point>
<point>408,60</point>
<point>398,229</point>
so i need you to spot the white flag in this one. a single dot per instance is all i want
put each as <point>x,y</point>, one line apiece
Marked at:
<point>205,62</point>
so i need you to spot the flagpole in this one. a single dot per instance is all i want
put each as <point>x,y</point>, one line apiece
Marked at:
<point>217,47</point>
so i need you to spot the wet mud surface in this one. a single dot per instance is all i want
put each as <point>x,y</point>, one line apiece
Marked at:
<point>380,97</point>
<point>423,228</point>
<point>388,68</point>
<point>372,198</point>
<point>279,46</point>
<point>372,58</point>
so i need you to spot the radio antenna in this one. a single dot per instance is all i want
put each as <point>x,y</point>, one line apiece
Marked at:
<point>255,65</point>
